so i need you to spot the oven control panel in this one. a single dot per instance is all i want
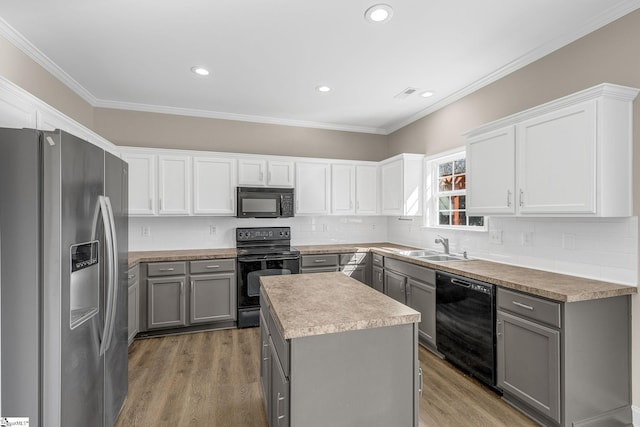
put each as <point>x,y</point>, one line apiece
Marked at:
<point>253,234</point>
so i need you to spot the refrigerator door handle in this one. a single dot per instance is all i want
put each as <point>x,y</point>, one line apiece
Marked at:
<point>112,271</point>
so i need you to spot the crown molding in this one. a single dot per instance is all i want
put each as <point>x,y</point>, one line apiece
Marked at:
<point>605,18</point>
<point>18,40</point>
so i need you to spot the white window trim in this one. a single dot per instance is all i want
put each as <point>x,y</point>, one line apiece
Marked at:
<point>430,217</point>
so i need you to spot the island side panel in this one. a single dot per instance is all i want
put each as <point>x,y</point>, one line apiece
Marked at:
<point>366,377</point>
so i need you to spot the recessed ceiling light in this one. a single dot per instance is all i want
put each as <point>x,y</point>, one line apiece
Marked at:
<point>201,71</point>
<point>378,13</point>
<point>323,88</point>
<point>427,93</point>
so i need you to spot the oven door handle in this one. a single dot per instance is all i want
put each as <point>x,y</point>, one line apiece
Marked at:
<point>266,258</point>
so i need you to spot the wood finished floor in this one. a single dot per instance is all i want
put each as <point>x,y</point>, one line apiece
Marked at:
<point>211,379</point>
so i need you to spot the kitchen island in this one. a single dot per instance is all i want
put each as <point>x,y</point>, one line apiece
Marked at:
<point>337,352</point>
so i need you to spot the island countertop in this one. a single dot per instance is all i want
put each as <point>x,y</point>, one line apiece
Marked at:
<point>325,303</point>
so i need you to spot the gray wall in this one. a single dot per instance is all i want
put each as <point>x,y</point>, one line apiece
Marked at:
<point>194,133</point>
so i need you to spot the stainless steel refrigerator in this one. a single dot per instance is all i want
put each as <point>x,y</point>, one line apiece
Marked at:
<point>63,284</point>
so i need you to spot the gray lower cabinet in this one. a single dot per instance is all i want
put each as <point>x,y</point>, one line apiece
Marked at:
<point>414,286</point>
<point>396,286</point>
<point>529,363</point>
<point>377,281</point>
<point>133,302</point>
<point>565,364</point>
<point>181,294</point>
<point>354,264</point>
<point>166,302</point>
<point>421,296</point>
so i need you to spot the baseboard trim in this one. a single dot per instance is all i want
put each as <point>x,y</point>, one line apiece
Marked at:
<point>635,411</point>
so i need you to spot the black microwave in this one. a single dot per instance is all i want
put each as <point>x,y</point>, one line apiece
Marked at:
<point>260,202</point>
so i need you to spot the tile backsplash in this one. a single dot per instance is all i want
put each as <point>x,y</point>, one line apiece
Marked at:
<point>598,248</point>
<point>163,233</point>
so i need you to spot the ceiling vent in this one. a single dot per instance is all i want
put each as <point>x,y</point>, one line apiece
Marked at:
<point>407,92</point>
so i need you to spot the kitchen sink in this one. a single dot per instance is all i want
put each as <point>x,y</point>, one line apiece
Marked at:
<point>440,257</point>
<point>418,253</point>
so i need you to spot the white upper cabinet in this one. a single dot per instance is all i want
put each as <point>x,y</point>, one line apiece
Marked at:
<point>401,183</point>
<point>142,183</point>
<point>270,173</point>
<point>312,188</point>
<point>491,190</point>
<point>569,157</point>
<point>177,184</point>
<point>557,162</point>
<point>354,189</point>
<point>343,189</point>
<point>214,186</point>
<point>174,185</point>
<point>366,190</point>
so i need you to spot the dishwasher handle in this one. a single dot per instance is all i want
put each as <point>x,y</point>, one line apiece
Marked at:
<point>460,283</point>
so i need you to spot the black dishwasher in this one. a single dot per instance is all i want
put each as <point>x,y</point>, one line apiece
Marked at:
<point>465,325</point>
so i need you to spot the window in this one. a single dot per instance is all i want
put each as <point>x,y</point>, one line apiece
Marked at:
<point>446,193</point>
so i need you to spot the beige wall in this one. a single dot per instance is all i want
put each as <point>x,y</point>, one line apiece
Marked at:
<point>194,133</point>
<point>26,73</point>
<point>610,54</point>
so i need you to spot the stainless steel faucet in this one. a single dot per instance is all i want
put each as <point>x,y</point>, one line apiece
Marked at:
<point>445,243</point>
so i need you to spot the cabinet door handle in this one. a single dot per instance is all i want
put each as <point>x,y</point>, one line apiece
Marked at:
<point>181,288</point>
<point>420,377</point>
<point>167,269</point>
<point>279,399</point>
<point>269,177</point>
<point>264,345</point>
<point>521,198</point>
<point>150,203</point>
<point>508,198</point>
<point>519,304</point>
<point>499,328</point>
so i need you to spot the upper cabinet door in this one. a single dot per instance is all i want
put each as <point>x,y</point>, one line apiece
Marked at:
<point>491,173</point>
<point>366,190</point>
<point>280,174</point>
<point>252,172</point>
<point>312,188</point>
<point>271,173</point>
<point>142,183</point>
<point>174,185</point>
<point>214,186</point>
<point>557,162</point>
<point>401,182</point>
<point>343,188</point>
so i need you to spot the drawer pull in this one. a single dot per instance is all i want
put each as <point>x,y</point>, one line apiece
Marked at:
<point>519,304</point>
<point>320,260</point>
<point>167,269</point>
<point>213,266</point>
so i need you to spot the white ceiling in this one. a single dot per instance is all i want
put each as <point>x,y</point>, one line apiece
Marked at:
<point>267,56</point>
